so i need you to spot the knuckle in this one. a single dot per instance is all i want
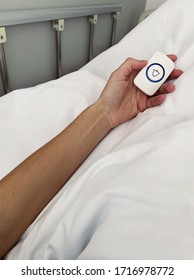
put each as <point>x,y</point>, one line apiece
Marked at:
<point>129,59</point>
<point>114,73</point>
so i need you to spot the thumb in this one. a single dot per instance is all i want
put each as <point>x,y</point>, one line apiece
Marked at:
<point>138,64</point>
<point>131,64</point>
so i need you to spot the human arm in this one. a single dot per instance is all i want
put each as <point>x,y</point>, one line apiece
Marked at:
<point>29,187</point>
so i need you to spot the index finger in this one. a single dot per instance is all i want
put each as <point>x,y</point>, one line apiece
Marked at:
<point>173,57</point>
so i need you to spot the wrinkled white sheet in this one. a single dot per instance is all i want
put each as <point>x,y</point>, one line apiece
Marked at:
<point>133,198</point>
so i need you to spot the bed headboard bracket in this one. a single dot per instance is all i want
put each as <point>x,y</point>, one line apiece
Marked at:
<point>3,37</point>
<point>58,26</point>
<point>3,65</point>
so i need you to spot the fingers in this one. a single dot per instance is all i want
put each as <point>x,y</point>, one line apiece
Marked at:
<point>155,100</point>
<point>160,96</point>
<point>173,57</point>
<point>131,64</point>
<point>166,88</point>
<point>169,87</point>
<point>175,74</point>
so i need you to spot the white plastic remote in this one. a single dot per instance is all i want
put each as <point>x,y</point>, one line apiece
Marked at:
<point>154,74</point>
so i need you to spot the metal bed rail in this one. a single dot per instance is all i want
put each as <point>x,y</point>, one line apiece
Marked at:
<point>3,66</point>
<point>57,17</point>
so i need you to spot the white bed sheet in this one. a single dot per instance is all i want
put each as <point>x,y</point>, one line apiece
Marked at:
<point>133,198</point>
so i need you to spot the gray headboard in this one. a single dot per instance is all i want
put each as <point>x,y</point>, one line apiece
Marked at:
<point>55,20</point>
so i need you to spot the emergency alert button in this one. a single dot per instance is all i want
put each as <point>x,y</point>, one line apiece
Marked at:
<point>155,72</point>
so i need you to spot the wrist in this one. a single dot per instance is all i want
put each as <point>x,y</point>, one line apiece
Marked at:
<point>104,114</point>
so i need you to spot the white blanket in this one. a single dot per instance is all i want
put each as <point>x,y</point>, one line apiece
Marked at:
<point>133,198</point>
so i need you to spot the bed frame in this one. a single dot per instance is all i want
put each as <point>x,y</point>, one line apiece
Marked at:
<point>57,17</point>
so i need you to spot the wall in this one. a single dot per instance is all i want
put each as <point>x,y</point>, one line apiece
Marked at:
<point>153,4</point>
<point>30,48</point>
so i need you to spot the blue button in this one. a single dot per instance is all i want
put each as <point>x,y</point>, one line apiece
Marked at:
<point>155,72</point>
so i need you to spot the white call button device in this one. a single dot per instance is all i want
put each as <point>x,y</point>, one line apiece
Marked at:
<point>155,73</point>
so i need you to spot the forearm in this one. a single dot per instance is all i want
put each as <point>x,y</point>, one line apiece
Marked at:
<point>28,188</point>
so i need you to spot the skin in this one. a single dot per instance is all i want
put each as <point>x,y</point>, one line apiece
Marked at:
<point>26,190</point>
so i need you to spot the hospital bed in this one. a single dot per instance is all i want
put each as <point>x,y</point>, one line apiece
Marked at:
<point>133,198</point>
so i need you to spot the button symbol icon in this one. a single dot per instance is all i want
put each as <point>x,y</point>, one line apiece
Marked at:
<point>155,72</point>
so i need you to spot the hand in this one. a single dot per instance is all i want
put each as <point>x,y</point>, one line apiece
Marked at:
<point>123,100</point>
